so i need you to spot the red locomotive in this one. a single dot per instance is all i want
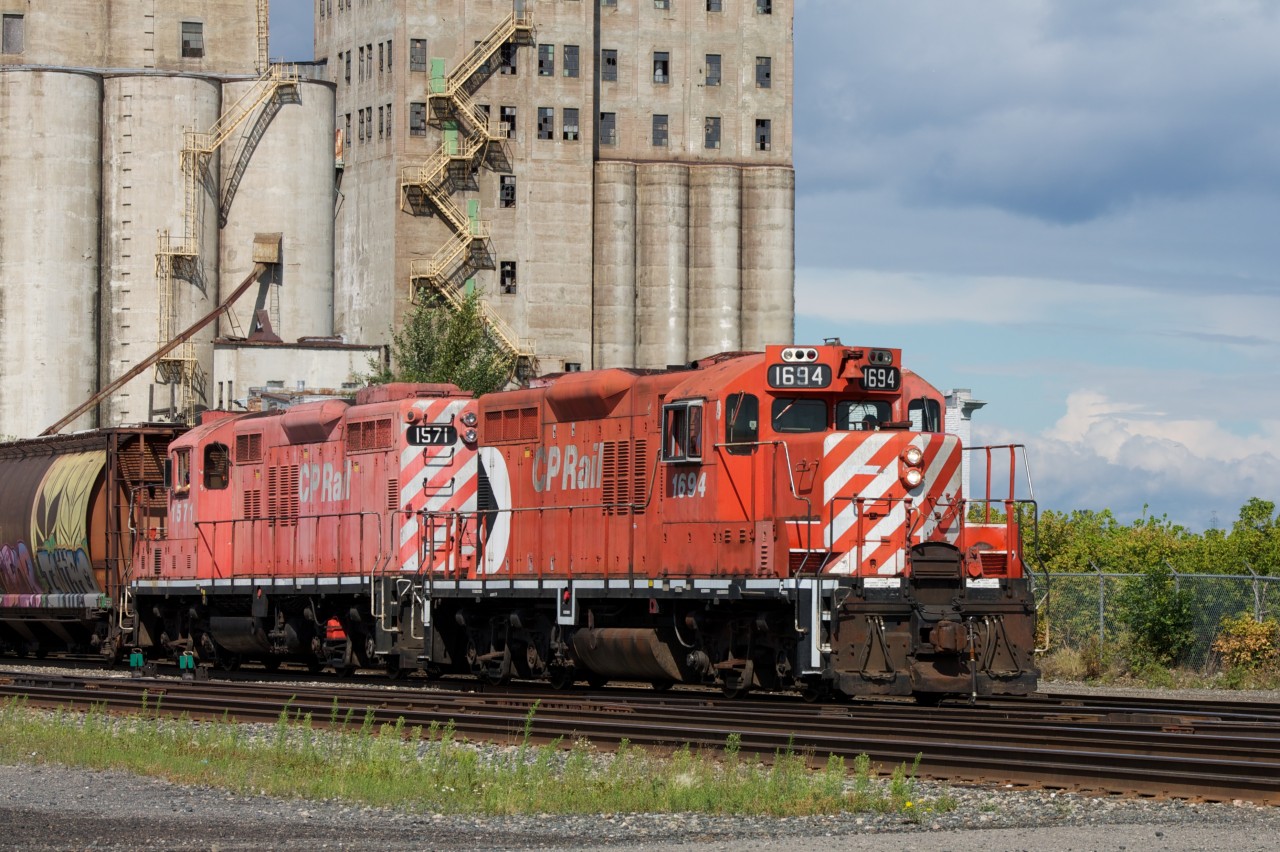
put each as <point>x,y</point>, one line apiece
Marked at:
<point>792,519</point>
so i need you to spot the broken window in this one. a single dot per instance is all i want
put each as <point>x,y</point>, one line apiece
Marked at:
<point>609,65</point>
<point>388,119</point>
<point>417,54</point>
<point>192,38</point>
<point>391,65</point>
<point>346,138</point>
<point>660,131</point>
<point>661,66</point>
<point>662,4</point>
<point>608,128</point>
<point>764,72</point>
<point>764,7</point>
<point>571,60</point>
<point>546,60</point>
<point>546,122</point>
<point>381,58</point>
<point>573,366</point>
<point>418,119</point>
<point>347,69</point>
<point>764,134</point>
<point>608,2</point>
<point>360,72</point>
<point>507,59</point>
<point>507,277</point>
<point>570,133</point>
<point>379,122</point>
<point>711,132</point>
<point>713,5</point>
<point>507,121</point>
<point>361,125</point>
<point>13,37</point>
<point>713,69</point>
<point>507,190</point>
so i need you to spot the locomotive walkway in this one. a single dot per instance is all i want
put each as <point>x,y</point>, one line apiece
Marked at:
<point>1208,751</point>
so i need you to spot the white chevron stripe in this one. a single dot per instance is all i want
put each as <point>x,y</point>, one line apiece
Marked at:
<point>854,465</point>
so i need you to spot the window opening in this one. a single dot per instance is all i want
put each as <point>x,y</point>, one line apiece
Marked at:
<point>743,426</point>
<point>417,119</point>
<point>571,60</point>
<point>712,132</point>
<point>570,133</point>
<point>661,66</point>
<point>546,60</point>
<point>861,415</point>
<point>417,54</point>
<point>799,415</point>
<point>217,467</point>
<point>764,134</point>
<point>713,69</point>
<point>507,59</point>
<point>181,471</point>
<point>608,128</point>
<point>192,39</point>
<point>13,35</point>
<point>713,5</point>
<point>546,122</point>
<point>507,190</point>
<point>609,65</point>
<point>682,431</point>
<point>507,119</point>
<point>764,7</point>
<point>925,415</point>
<point>507,277</point>
<point>764,72</point>
<point>659,131</point>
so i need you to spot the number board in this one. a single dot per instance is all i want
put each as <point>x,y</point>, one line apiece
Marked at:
<point>799,376</point>
<point>881,378</point>
<point>432,435</point>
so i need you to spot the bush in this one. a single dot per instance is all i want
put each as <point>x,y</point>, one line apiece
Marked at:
<point>1159,616</point>
<point>1247,644</point>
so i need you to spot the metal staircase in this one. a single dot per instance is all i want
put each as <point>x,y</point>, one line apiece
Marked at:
<point>471,141</point>
<point>179,258</point>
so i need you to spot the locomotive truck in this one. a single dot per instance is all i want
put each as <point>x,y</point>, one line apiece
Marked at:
<point>792,519</point>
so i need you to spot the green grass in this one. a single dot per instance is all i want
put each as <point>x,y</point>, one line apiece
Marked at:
<point>433,770</point>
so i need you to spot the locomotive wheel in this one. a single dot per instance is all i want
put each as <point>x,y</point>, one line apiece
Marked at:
<point>734,692</point>
<point>597,681</point>
<point>395,671</point>
<point>228,662</point>
<point>561,677</point>
<point>662,684</point>
<point>815,692</point>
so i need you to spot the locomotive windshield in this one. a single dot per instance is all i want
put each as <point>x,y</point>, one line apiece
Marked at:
<point>861,415</point>
<point>799,415</point>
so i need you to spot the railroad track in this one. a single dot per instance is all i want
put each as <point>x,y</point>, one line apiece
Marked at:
<point>1209,751</point>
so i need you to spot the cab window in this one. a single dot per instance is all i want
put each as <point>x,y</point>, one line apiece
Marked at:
<point>682,431</point>
<point>925,415</point>
<point>217,464</point>
<point>182,471</point>
<point>799,415</point>
<point>742,429</point>
<point>863,415</point>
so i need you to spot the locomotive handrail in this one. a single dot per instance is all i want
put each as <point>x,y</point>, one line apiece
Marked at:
<point>274,523</point>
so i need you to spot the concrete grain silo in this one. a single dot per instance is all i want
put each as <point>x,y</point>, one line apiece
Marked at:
<point>278,177</point>
<point>662,264</point>
<point>715,288</point>
<point>768,256</point>
<point>144,117</point>
<point>50,184</point>
<point>615,265</point>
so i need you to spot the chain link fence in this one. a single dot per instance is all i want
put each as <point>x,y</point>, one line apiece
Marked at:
<point>1083,609</point>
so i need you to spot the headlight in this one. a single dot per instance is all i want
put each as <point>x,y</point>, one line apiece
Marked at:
<point>913,456</point>
<point>469,418</point>
<point>912,477</point>
<point>469,436</point>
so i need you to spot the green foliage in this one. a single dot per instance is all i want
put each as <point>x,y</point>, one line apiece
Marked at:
<point>443,343</point>
<point>1158,614</point>
<point>390,766</point>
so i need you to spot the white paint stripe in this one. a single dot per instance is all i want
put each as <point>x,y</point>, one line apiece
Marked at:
<point>854,465</point>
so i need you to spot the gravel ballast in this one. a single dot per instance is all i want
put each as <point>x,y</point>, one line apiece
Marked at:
<point>51,807</point>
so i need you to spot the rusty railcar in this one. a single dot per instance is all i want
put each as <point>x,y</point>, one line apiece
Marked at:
<point>70,506</point>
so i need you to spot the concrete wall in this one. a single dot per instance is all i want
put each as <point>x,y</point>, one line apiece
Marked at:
<point>135,34</point>
<point>50,178</point>
<point>278,176</point>
<point>241,366</point>
<point>143,120</point>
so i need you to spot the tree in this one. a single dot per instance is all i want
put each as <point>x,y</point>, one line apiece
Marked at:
<point>1255,537</point>
<point>442,342</point>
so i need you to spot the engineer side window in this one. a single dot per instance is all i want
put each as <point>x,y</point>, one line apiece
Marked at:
<point>861,415</point>
<point>682,431</point>
<point>217,467</point>
<point>192,40</point>
<point>925,415</point>
<point>742,430</point>
<point>180,480</point>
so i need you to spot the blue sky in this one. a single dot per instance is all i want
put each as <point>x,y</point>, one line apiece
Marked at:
<point>1068,206</point>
